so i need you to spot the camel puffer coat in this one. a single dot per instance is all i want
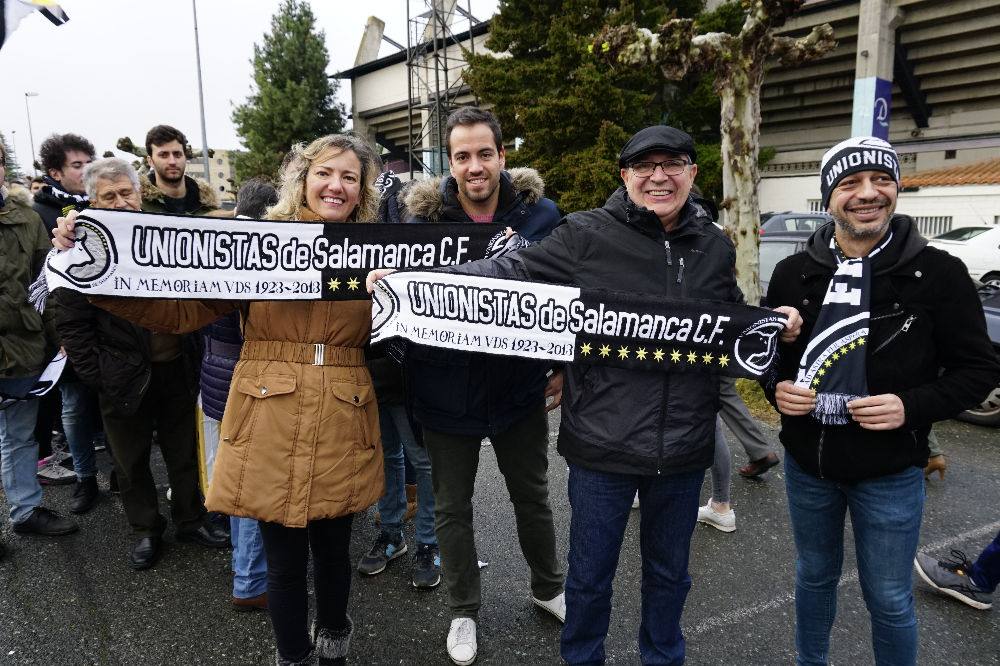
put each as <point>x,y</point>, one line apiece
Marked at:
<point>298,441</point>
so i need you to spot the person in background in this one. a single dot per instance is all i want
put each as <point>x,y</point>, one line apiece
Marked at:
<point>167,189</point>
<point>147,382</point>
<point>399,444</point>
<point>25,351</point>
<point>223,340</point>
<point>972,583</point>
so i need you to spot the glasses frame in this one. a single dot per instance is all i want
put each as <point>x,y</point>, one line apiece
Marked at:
<point>673,162</point>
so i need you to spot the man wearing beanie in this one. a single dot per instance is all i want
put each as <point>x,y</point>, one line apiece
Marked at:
<point>626,430</point>
<point>893,339</point>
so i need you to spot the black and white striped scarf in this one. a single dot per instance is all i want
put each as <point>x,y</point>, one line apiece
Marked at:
<point>833,364</point>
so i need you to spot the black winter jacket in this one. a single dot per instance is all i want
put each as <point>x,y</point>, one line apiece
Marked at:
<point>631,421</point>
<point>112,355</point>
<point>927,343</point>
<point>460,392</point>
<point>51,204</point>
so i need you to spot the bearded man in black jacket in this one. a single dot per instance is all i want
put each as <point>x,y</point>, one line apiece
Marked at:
<point>893,339</point>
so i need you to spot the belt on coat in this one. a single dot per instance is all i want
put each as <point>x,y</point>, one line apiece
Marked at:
<point>302,352</point>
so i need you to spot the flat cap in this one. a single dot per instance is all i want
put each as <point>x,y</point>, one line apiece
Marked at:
<point>657,137</point>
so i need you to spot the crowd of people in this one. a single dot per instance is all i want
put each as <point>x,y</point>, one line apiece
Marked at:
<point>301,424</point>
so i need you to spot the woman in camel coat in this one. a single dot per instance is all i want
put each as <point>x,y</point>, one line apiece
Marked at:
<point>299,440</point>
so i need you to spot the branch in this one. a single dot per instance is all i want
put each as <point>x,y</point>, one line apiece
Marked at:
<point>791,51</point>
<point>674,49</point>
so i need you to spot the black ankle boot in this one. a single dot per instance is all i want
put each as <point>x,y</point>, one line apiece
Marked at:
<point>85,495</point>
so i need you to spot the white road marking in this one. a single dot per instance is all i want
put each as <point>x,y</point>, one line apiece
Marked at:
<point>741,615</point>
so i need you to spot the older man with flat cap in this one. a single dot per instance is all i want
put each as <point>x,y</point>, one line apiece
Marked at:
<point>625,430</point>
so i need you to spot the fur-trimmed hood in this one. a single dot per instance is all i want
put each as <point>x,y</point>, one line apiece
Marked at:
<point>16,195</point>
<point>151,193</point>
<point>426,198</point>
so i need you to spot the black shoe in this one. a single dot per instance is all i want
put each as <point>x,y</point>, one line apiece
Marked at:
<point>113,483</point>
<point>426,567</point>
<point>145,552</point>
<point>44,522</point>
<point>205,535</point>
<point>3,550</point>
<point>85,495</point>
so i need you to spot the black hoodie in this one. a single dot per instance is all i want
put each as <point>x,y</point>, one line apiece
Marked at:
<point>927,344</point>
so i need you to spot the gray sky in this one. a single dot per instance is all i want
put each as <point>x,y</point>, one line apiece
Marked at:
<point>121,66</point>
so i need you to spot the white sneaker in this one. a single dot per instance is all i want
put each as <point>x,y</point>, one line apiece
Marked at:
<point>635,502</point>
<point>556,606</point>
<point>726,522</point>
<point>462,641</point>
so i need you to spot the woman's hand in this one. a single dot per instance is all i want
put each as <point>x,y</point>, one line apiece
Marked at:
<point>376,275</point>
<point>64,236</point>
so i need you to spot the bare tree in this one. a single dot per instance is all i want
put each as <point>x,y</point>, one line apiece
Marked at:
<point>739,62</point>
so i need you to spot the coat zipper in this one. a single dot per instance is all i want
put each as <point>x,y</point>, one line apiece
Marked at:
<point>680,271</point>
<point>902,329</point>
<point>666,383</point>
<point>822,436</point>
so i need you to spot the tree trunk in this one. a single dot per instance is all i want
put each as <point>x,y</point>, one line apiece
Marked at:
<point>739,91</point>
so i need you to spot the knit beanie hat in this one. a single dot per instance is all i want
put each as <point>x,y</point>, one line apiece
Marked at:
<point>859,153</point>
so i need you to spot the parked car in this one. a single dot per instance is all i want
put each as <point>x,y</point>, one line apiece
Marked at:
<point>775,247</point>
<point>961,233</point>
<point>801,224</point>
<point>980,252</point>
<point>988,413</point>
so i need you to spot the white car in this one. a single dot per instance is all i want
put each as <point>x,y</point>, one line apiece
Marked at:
<point>977,247</point>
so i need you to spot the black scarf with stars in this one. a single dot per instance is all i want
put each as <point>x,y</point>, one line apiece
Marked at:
<point>833,364</point>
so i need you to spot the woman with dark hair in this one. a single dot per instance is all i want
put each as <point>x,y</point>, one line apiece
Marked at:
<point>299,440</point>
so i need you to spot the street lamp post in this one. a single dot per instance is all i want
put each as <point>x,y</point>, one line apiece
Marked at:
<point>31,135</point>
<point>201,95</point>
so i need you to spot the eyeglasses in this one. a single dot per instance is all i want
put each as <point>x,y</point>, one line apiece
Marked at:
<point>669,167</point>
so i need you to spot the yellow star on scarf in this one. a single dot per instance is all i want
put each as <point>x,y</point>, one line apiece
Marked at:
<point>675,356</point>
<point>692,357</point>
<point>605,350</point>
<point>836,356</point>
<point>861,341</point>
<point>821,372</point>
<point>706,358</point>
<point>724,360</point>
<point>353,283</point>
<point>641,353</point>
<point>623,352</point>
<point>585,349</point>
<point>658,355</point>
<point>334,284</point>
<point>843,350</point>
<point>827,363</point>
<point>816,382</point>
<point>853,346</point>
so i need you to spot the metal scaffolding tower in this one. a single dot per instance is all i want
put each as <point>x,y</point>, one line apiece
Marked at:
<point>434,64</point>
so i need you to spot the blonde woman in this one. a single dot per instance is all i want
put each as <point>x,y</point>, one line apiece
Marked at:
<point>300,448</point>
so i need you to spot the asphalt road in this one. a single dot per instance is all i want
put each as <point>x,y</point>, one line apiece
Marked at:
<point>73,600</point>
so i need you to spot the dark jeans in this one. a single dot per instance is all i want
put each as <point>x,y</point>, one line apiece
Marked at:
<point>600,503</point>
<point>168,408</point>
<point>885,516</point>
<point>287,550</point>
<point>985,572</point>
<point>522,456</point>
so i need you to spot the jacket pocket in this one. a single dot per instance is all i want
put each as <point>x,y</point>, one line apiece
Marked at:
<point>355,399</point>
<point>248,394</point>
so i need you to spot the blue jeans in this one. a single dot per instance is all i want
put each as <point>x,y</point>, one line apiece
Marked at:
<point>249,561</point>
<point>885,514</point>
<point>600,503</point>
<point>19,459</point>
<point>77,426</point>
<point>397,434</point>
<point>985,573</point>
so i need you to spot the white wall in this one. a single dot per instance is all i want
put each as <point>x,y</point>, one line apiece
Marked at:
<point>967,205</point>
<point>791,193</point>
